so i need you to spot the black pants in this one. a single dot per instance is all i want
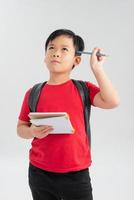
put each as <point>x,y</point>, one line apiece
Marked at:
<point>46,185</point>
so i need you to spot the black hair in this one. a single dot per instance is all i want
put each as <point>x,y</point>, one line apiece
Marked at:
<point>77,40</point>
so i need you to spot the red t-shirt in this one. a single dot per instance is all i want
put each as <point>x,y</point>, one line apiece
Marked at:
<point>61,152</point>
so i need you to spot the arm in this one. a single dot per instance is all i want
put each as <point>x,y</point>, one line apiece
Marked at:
<point>23,130</point>
<point>107,97</point>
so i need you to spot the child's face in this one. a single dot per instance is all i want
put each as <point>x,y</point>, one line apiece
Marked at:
<point>60,55</point>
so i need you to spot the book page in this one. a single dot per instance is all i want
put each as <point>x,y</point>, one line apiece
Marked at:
<point>39,115</point>
<point>61,124</point>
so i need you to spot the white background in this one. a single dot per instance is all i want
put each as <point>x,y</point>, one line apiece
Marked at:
<point>24,28</point>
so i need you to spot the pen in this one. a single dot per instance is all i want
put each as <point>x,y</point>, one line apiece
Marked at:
<point>90,53</point>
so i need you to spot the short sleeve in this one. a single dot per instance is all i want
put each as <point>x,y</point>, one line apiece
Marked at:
<point>25,108</point>
<point>93,90</point>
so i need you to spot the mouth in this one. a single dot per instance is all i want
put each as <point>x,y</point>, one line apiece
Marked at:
<point>55,61</point>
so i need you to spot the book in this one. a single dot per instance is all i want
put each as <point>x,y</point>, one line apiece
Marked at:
<point>59,120</point>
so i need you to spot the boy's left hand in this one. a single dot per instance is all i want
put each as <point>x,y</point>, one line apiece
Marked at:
<point>96,62</point>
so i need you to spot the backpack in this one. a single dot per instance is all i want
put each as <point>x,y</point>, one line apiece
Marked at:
<point>84,93</point>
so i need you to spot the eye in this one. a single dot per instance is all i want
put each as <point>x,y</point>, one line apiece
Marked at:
<point>65,49</point>
<point>50,47</point>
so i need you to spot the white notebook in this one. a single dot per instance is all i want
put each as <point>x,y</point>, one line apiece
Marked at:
<point>59,120</point>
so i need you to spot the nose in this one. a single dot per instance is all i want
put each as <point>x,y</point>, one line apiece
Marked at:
<point>55,54</point>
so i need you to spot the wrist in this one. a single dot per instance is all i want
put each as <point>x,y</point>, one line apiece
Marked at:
<point>97,69</point>
<point>31,133</point>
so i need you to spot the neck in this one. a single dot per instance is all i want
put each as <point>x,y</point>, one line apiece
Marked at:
<point>58,78</point>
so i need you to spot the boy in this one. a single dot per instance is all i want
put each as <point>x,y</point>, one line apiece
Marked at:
<point>59,163</point>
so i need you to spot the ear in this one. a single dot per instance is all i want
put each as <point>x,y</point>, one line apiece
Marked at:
<point>77,60</point>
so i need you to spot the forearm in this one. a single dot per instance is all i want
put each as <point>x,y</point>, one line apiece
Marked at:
<point>107,91</point>
<point>24,132</point>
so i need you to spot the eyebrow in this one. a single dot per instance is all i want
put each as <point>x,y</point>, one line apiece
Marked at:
<point>51,44</point>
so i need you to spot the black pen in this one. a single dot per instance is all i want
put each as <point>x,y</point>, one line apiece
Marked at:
<point>90,53</point>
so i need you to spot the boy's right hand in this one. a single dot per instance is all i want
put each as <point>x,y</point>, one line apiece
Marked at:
<point>40,131</point>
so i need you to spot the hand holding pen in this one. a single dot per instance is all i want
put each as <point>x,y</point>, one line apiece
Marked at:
<point>97,58</point>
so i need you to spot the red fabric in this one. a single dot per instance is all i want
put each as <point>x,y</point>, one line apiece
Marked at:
<point>61,152</point>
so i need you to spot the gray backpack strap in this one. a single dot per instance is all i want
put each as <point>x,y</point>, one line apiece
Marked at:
<point>84,92</point>
<point>34,96</point>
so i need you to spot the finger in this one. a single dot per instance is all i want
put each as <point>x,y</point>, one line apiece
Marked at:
<point>47,130</point>
<point>100,58</point>
<point>41,131</point>
<point>100,50</point>
<point>95,51</point>
<point>47,126</point>
<point>42,128</point>
<point>45,133</point>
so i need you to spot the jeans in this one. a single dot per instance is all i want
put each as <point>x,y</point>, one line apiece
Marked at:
<point>46,185</point>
